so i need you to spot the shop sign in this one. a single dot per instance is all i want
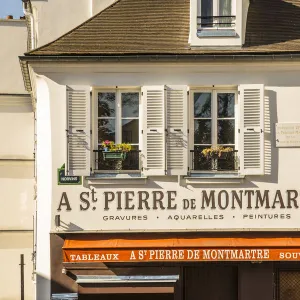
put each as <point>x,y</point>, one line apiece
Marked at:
<point>288,135</point>
<point>177,254</point>
<point>181,209</point>
<point>63,179</point>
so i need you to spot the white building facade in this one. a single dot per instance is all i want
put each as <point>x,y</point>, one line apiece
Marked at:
<point>16,167</point>
<point>208,194</point>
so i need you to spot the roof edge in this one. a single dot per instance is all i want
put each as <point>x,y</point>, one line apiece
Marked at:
<point>288,56</point>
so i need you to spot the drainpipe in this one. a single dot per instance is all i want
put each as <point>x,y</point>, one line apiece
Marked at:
<point>27,9</point>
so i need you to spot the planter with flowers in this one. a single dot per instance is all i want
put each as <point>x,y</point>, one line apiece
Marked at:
<point>218,152</point>
<point>115,151</point>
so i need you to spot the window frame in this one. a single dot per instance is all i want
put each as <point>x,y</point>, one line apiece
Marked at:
<point>215,13</point>
<point>118,122</point>
<point>214,119</point>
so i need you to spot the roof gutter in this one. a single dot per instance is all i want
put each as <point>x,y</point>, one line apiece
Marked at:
<point>278,57</point>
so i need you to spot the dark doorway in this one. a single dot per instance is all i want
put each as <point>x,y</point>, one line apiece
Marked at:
<point>211,281</point>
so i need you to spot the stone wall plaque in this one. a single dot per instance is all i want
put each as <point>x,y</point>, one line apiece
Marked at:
<point>287,134</point>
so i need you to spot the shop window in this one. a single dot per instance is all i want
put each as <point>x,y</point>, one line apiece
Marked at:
<point>289,285</point>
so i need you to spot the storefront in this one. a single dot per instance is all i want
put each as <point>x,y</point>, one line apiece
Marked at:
<point>177,266</point>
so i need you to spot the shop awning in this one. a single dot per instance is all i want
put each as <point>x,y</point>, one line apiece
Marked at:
<point>82,250</point>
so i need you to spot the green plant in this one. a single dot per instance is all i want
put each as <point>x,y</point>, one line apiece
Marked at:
<point>124,147</point>
<point>216,151</point>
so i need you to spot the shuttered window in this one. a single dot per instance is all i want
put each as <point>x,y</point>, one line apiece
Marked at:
<point>165,136</point>
<point>251,136</point>
<point>78,120</point>
<point>165,139</point>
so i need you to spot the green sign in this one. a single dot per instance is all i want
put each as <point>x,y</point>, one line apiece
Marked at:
<point>63,179</point>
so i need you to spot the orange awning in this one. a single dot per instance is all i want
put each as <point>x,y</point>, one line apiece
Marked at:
<point>82,250</point>
<point>96,243</point>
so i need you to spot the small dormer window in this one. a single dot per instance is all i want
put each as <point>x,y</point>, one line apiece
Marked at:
<point>216,14</point>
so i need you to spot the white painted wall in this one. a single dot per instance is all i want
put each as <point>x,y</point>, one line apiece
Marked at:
<point>49,94</point>
<point>55,18</point>
<point>99,5</point>
<point>12,245</point>
<point>13,36</point>
<point>16,165</point>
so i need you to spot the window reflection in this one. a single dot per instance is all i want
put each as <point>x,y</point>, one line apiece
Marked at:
<point>106,104</point>
<point>225,105</point>
<point>202,105</point>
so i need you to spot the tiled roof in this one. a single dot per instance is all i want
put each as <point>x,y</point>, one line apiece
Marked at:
<point>162,27</point>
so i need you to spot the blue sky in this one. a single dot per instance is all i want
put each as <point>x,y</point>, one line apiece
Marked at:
<point>11,7</point>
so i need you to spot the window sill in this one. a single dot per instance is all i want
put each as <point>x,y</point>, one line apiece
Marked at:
<point>207,178</point>
<point>117,179</point>
<point>216,33</point>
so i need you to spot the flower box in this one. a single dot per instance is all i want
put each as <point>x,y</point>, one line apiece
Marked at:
<point>116,155</point>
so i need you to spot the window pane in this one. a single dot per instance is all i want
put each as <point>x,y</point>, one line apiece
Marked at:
<point>225,105</point>
<point>206,13</point>
<point>130,131</point>
<point>224,7</point>
<point>106,130</point>
<point>202,105</point>
<point>206,8</point>
<point>130,105</point>
<point>106,104</point>
<point>202,133</point>
<point>225,131</point>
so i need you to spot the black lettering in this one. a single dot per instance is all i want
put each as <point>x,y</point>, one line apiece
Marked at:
<point>279,200</point>
<point>249,195</point>
<point>170,199</point>
<point>84,200</point>
<point>108,199</point>
<point>292,198</point>
<point>64,203</point>
<point>157,198</point>
<point>220,199</point>
<point>143,200</point>
<point>94,199</point>
<point>128,199</point>
<point>119,200</point>
<point>206,200</point>
<point>260,200</point>
<point>237,198</point>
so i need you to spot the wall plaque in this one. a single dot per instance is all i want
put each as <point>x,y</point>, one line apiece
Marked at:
<point>287,134</point>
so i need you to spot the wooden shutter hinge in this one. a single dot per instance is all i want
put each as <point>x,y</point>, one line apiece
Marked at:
<point>142,131</point>
<point>142,93</point>
<point>239,92</point>
<point>188,131</point>
<point>188,93</point>
<point>91,131</point>
<point>239,130</point>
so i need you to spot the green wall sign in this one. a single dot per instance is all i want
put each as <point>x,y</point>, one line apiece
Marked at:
<point>63,179</point>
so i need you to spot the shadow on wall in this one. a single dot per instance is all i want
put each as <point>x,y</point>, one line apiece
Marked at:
<point>268,21</point>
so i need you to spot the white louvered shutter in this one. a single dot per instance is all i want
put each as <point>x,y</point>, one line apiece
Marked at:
<point>251,137</point>
<point>154,137</point>
<point>78,110</point>
<point>177,135</point>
